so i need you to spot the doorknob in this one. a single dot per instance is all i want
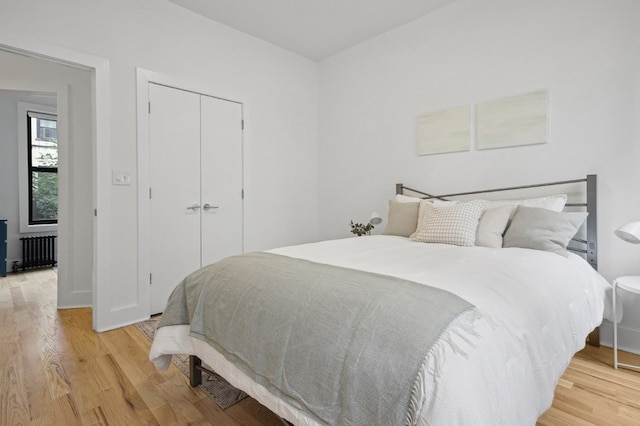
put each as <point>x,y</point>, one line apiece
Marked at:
<point>208,206</point>
<point>194,207</point>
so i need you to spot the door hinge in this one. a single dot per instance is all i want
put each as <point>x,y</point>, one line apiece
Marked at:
<point>242,194</point>
<point>242,124</point>
<point>149,107</point>
<point>95,212</point>
<point>150,279</point>
<point>149,193</point>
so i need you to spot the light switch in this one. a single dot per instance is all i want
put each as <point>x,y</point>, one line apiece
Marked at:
<point>121,177</point>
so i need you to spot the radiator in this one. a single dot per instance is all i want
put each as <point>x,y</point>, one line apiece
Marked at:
<point>38,252</point>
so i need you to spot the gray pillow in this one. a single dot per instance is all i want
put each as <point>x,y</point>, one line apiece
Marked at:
<point>402,219</point>
<point>542,229</point>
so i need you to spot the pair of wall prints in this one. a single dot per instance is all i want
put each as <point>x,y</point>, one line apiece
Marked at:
<point>506,122</point>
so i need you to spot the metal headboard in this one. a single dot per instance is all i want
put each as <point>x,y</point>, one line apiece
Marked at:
<point>588,247</point>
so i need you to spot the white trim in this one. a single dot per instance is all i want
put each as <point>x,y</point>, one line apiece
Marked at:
<point>66,294</point>
<point>34,113</point>
<point>144,265</point>
<point>144,77</point>
<point>23,182</point>
<point>103,318</point>
<point>628,338</point>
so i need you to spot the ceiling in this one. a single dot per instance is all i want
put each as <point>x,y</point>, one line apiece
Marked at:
<point>315,29</point>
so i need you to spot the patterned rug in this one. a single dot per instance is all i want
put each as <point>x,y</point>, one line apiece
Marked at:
<point>213,385</point>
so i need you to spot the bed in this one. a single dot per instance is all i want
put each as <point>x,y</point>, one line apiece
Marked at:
<point>421,326</point>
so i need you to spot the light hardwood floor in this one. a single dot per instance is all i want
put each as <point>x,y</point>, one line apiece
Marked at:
<point>54,370</point>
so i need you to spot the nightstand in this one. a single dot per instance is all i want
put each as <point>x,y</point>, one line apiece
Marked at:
<point>631,284</point>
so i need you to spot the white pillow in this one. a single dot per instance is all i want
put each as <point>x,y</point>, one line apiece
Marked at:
<point>551,202</point>
<point>421,211</point>
<point>492,225</point>
<point>407,199</point>
<point>453,224</point>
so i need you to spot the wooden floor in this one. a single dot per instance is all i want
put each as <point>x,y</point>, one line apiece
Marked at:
<point>54,370</point>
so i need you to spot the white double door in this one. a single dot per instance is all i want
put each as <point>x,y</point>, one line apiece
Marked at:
<point>195,195</point>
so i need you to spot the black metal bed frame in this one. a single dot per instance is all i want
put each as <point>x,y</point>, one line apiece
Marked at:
<point>589,246</point>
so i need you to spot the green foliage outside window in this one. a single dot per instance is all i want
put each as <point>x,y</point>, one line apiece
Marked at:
<point>44,183</point>
<point>45,193</point>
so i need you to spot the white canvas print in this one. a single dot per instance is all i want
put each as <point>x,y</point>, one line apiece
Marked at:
<point>444,131</point>
<point>513,121</point>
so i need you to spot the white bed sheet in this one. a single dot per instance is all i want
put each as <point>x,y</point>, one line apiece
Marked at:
<point>537,308</point>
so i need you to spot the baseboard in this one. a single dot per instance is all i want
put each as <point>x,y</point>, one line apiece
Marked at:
<point>628,338</point>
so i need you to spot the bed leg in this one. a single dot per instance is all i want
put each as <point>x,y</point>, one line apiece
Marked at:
<point>594,337</point>
<point>195,373</point>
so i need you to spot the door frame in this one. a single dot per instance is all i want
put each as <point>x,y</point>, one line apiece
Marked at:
<point>143,78</point>
<point>103,316</point>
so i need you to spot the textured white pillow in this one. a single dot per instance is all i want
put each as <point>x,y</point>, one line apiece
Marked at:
<point>453,224</point>
<point>492,225</point>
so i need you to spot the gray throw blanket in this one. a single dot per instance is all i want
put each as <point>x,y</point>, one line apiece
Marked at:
<point>345,346</point>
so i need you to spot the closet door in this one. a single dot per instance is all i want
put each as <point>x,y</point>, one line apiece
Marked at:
<point>174,175</point>
<point>196,206</point>
<point>221,170</point>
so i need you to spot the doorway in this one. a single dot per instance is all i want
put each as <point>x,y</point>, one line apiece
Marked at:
<point>19,138</point>
<point>46,86</point>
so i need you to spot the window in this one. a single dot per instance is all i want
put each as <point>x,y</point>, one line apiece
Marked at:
<point>42,157</point>
<point>39,148</point>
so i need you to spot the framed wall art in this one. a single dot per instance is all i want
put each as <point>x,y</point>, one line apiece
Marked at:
<point>447,130</point>
<point>513,121</point>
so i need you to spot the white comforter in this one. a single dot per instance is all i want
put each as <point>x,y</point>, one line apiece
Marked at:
<point>537,309</point>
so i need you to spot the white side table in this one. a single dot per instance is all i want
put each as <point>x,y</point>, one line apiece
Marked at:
<point>631,284</point>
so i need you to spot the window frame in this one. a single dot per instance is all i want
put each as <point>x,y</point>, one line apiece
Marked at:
<point>31,115</point>
<point>24,178</point>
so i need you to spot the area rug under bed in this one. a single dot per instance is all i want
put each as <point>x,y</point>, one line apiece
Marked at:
<point>213,385</point>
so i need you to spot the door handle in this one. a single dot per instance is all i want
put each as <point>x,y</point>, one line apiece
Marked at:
<point>194,207</point>
<point>208,206</point>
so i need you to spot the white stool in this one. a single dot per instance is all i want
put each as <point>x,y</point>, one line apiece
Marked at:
<point>631,284</point>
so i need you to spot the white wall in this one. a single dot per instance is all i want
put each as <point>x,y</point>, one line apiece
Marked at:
<point>585,52</point>
<point>278,90</point>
